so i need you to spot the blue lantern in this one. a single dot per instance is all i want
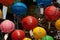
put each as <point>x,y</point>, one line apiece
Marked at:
<point>19,8</point>
<point>43,2</point>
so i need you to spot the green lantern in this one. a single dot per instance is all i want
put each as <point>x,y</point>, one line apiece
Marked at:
<point>47,37</point>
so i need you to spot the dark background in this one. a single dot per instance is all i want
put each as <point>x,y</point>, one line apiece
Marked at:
<point>29,3</point>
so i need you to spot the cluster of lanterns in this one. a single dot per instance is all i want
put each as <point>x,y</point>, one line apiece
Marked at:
<point>29,22</point>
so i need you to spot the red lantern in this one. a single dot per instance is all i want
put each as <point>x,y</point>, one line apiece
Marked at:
<point>51,13</point>
<point>29,22</point>
<point>18,35</point>
<point>0,1</point>
<point>7,2</point>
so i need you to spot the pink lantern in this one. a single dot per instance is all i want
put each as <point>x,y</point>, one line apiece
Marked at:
<point>7,26</point>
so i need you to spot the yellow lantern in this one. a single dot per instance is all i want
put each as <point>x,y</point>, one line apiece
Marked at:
<point>0,14</point>
<point>27,39</point>
<point>39,32</point>
<point>57,24</point>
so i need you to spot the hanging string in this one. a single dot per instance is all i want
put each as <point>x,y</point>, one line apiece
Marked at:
<point>49,25</point>
<point>16,21</point>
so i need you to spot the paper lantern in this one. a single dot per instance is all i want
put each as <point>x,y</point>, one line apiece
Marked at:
<point>29,22</point>
<point>18,35</point>
<point>43,2</point>
<point>0,14</point>
<point>57,24</point>
<point>51,13</point>
<point>39,32</point>
<point>19,8</point>
<point>7,26</point>
<point>7,2</point>
<point>47,37</point>
<point>27,39</point>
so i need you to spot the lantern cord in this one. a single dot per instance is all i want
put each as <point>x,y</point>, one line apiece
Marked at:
<point>49,24</point>
<point>16,21</point>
